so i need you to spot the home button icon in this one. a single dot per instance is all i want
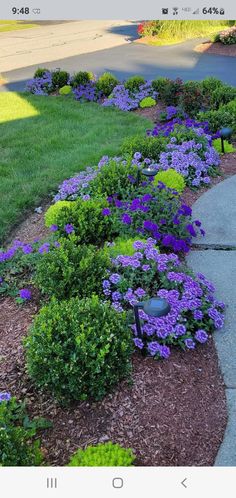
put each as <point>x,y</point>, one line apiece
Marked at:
<point>117,483</point>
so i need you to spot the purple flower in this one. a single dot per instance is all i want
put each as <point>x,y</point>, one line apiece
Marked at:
<point>138,343</point>
<point>126,219</point>
<point>165,352</point>
<point>53,228</point>
<point>198,315</point>
<point>191,230</point>
<point>44,248</point>
<point>115,278</point>
<point>201,336</point>
<point>69,228</point>
<point>27,249</point>
<point>106,212</point>
<point>5,397</point>
<point>189,343</point>
<point>116,296</point>
<point>180,330</point>
<point>140,292</point>
<point>146,267</point>
<point>154,348</point>
<point>25,294</point>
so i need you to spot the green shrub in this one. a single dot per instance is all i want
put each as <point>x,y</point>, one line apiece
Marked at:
<point>82,78</point>
<point>103,455</point>
<point>65,90</point>
<point>106,83</point>
<point>39,73</point>
<point>17,444</point>
<point>148,146</point>
<point>159,85</point>
<point>222,95</point>
<point>184,134</point>
<point>133,83</point>
<point>122,245</point>
<point>170,91</point>
<point>59,79</point>
<point>227,146</point>
<point>91,225</point>
<point>56,213</point>
<point>113,178</point>
<point>79,348</point>
<point>223,117</point>
<point>209,85</point>
<point>147,102</point>
<point>171,178</point>
<point>72,270</point>
<point>191,98</point>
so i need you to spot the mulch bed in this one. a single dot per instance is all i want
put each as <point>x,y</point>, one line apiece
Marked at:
<point>173,414</point>
<point>216,48</point>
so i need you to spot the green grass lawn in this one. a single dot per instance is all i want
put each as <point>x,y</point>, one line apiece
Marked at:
<point>14,25</point>
<point>44,140</point>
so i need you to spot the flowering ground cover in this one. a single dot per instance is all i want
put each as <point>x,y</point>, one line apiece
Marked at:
<point>117,233</point>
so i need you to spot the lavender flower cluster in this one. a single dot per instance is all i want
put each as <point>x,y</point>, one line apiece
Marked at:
<point>124,100</point>
<point>185,158</point>
<point>165,129</point>
<point>76,186</point>
<point>40,86</point>
<point>87,92</point>
<point>194,314</point>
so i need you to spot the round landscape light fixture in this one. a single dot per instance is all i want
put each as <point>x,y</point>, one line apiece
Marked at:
<point>156,307</point>
<point>225,134</point>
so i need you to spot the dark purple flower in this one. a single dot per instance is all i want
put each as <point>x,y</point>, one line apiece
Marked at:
<point>191,230</point>
<point>138,343</point>
<point>27,249</point>
<point>126,219</point>
<point>25,294</point>
<point>106,212</point>
<point>69,228</point>
<point>53,228</point>
<point>44,248</point>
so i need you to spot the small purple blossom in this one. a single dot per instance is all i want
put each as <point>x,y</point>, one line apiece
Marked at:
<point>69,228</point>
<point>25,294</point>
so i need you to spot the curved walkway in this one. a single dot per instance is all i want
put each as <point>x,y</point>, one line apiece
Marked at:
<point>134,58</point>
<point>216,258</point>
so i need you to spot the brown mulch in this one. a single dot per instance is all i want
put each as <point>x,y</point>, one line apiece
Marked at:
<point>216,48</point>
<point>173,414</point>
<point>151,113</point>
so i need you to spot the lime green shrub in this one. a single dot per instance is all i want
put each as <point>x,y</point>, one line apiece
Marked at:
<point>79,349</point>
<point>147,102</point>
<point>172,179</point>
<point>57,212</point>
<point>72,270</point>
<point>123,246</point>
<point>106,83</point>
<point>65,90</point>
<point>227,146</point>
<point>103,455</point>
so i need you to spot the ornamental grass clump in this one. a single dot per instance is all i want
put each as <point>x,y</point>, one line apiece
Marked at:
<point>78,349</point>
<point>195,313</point>
<point>103,455</point>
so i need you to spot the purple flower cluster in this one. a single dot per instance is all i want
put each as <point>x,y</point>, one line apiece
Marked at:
<point>76,186</point>
<point>87,92</point>
<point>125,100</point>
<point>186,159</point>
<point>5,397</point>
<point>165,129</point>
<point>40,86</point>
<point>194,310</point>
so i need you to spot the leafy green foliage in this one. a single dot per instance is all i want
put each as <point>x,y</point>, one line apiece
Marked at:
<point>40,72</point>
<point>113,178</point>
<point>59,79</point>
<point>79,348</point>
<point>209,85</point>
<point>222,95</point>
<point>103,455</point>
<point>147,102</point>
<point>72,270</point>
<point>159,85</point>
<point>18,446</point>
<point>59,213</point>
<point>91,226</point>
<point>223,117</point>
<point>82,78</point>
<point>191,98</point>
<point>150,147</point>
<point>106,83</point>
<point>170,90</point>
<point>65,90</point>
<point>227,146</point>
<point>134,82</point>
<point>171,178</point>
<point>122,245</point>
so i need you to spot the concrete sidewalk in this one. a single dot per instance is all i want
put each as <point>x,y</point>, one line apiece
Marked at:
<point>47,43</point>
<point>217,211</point>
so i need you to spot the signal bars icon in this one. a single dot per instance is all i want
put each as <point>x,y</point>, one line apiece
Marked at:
<point>51,483</point>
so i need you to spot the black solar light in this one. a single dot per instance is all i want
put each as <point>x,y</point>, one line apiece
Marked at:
<point>225,134</point>
<point>155,307</point>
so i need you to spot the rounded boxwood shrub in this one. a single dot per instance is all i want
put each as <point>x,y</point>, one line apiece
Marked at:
<point>78,349</point>
<point>103,455</point>
<point>171,178</point>
<point>222,95</point>
<point>133,83</point>
<point>65,90</point>
<point>150,147</point>
<point>17,444</point>
<point>72,270</point>
<point>82,78</point>
<point>59,79</point>
<point>39,73</point>
<point>114,178</point>
<point>147,102</point>
<point>56,213</point>
<point>106,83</point>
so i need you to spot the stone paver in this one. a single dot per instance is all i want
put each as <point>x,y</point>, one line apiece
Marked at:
<point>217,211</point>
